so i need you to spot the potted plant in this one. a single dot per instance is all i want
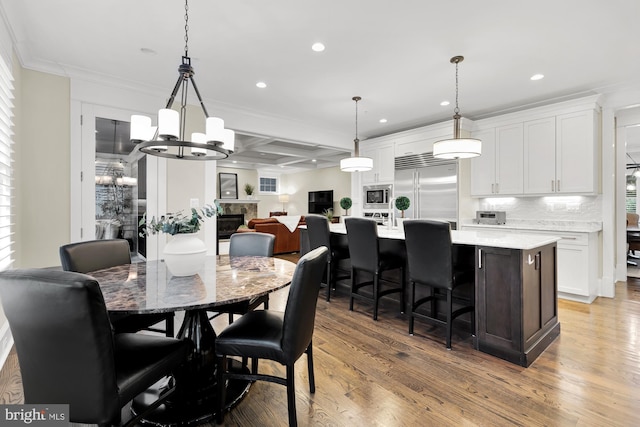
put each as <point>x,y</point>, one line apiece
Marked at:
<point>248,189</point>
<point>402,204</point>
<point>184,254</point>
<point>345,203</point>
<point>329,214</point>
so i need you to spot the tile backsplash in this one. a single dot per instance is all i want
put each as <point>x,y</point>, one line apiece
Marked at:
<point>577,208</point>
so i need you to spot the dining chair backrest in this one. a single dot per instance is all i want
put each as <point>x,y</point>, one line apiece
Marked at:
<point>362,236</point>
<point>92,255</point>
<point>68,353</point>
<point>318,231</point>
<point>429,252</point>
<point>632,219</point>
<point>300,311</point>
<point>63,339</point>
<point>251,244</point>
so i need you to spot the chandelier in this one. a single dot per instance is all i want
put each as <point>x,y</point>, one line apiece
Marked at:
<point>356,163</point>
<point>457,148</point>
<point>168,139</point>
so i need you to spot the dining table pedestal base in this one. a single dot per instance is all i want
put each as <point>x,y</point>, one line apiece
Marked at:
<point>195,398</point>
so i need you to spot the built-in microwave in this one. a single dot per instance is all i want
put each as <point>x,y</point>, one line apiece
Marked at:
<point>377,196</point>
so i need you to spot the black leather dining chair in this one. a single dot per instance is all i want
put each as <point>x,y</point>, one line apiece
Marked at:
<point>366,257</point>
<point>445,269</point>
<point>278,336</point>
<point>92,255</point>
<point>68,353</point>
<point>320,235</point>
<point>248,244</point>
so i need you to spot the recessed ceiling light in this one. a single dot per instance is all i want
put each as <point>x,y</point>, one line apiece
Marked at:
<point>444,103</point>
<point>537,77</point>
<point>234,161</point>
<point>261,85</point>
<point>313,160</point>
<point>317,47</point>
<point>383,120</point>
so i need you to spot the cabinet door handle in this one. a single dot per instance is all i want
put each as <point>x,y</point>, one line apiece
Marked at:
<point>537,261</point>
<point>492,188</point>
<point>479,258</point>
<point>558,186</point>
<point>569,238</point>
<point>553,187</point>
<point>497,187</point>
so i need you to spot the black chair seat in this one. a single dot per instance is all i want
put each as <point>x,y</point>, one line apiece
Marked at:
<point>142,359</point>
<point>256,334</point>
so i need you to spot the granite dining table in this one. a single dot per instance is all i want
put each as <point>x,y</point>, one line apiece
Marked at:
<point>149,287</point>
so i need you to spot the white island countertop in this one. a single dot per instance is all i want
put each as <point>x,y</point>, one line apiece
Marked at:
<point>490,238</point>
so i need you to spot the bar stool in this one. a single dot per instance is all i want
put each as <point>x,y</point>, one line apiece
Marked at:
<point>435,262</point>
<point>320,235</point>
<point>364,249</point>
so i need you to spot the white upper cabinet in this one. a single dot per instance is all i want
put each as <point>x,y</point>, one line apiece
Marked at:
<point>561,153</point>
<point>383,163</point>
<point>498,171</point>
<point>540,156</point>
<point>576,152</point>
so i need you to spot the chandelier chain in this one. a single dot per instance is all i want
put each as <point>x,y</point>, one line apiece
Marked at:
<point>186,28</point>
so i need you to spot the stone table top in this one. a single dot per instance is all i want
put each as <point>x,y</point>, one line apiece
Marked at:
<point>149,287</point>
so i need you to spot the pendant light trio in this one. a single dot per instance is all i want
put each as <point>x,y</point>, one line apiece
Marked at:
<point>455,148</point>
<point>168,138</point>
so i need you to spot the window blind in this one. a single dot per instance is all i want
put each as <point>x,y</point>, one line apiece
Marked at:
<point>6,142</point>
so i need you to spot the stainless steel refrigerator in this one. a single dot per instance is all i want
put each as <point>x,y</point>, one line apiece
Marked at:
<point>431,186</point>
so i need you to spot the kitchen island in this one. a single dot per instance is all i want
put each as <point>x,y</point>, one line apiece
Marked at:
<point>516,289</point>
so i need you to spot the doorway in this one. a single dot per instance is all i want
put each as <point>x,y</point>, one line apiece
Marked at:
<point>119,199</point>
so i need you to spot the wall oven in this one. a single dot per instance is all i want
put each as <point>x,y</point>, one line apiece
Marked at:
<point>377,196</point>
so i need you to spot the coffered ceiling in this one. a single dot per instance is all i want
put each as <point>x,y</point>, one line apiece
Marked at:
<point>395,55</point>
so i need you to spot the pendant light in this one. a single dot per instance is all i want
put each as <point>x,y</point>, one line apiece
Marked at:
<point>457,148</point>
<point>356,163</point>
<point>168,139</point>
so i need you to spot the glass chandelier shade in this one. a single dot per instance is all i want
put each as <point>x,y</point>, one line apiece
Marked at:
<point>457,147</point>
<point>168,138</point>
<point>356,163</point>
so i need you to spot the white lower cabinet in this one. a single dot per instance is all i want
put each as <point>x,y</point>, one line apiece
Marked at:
<point>578,271</point>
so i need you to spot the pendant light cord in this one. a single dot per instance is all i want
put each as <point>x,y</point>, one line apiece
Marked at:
<point>456,110</point>
<point>356,141</point>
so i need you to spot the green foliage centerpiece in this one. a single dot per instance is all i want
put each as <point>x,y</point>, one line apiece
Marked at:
<point>185,253</point>
<point>178,223</point>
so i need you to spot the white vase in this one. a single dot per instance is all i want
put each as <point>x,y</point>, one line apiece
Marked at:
<point>185,254</point>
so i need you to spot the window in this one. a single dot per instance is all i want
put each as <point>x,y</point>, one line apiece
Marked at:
<point>6,123</point>
<point>269,185</point>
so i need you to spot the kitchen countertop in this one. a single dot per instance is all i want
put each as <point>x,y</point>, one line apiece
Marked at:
<point>490,238</point>
<point>541,225</point>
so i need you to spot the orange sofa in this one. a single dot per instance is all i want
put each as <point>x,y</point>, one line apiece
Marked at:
<point>285,242</point>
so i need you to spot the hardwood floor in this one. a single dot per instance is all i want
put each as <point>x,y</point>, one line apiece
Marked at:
<point>374,374</point>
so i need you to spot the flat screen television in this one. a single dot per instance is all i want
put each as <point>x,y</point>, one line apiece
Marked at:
<point>320,201</point>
